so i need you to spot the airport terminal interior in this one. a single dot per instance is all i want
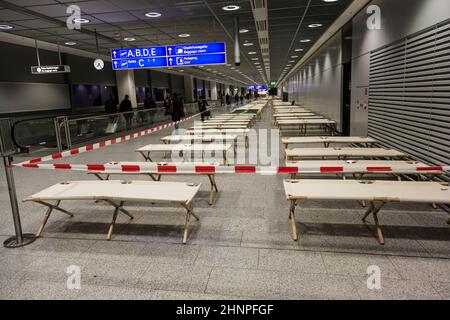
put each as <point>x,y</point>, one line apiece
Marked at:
<point>223,150</point>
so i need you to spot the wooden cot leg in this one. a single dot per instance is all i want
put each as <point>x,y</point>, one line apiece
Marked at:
<point>50,209</point>
<point>213,189</point>
<point>121,209</point>
<point>293,220</point>
<point>111,226</point>
<point>374,211</point>
<point>189,212</point>
<point>47,215</point>
<point>379,231</point>
<point>368,212</point>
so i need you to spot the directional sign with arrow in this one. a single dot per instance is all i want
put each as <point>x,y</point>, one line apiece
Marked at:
<point>173,56</point>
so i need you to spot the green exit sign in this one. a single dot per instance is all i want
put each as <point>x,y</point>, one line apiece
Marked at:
<point>273,83</point>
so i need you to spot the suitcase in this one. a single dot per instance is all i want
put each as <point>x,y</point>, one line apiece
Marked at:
<point>112,127</point>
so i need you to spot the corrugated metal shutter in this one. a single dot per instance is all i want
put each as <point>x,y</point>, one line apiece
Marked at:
<point>409,97</point>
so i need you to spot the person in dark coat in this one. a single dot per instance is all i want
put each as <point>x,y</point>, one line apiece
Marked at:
<point>125,106</point>
<point>202,106</point>
<point>111,106</point>
<point>228,99</point>
<point>149,104</point>
<point>168,105</point>
<point>177,110</point>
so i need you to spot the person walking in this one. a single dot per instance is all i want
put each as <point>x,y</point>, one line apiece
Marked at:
<point>149,106</point>
<point>125,106</point>
<point>177,110</point>
<point>228,99</point>
<point>168,105</point>
<point>111,105</point>
<point>202,104</point>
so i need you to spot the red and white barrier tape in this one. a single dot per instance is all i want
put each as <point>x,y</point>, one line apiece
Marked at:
<point>155,168</point>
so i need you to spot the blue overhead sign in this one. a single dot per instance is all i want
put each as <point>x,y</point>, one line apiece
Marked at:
<point>169,56</point>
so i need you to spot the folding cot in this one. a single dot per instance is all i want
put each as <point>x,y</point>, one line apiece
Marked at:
<point>156,170</point>
<point>303,124</point>
<point>117,193</point>
<point>182,149</point>
<point>344,153</point>
<point>368,142</point>
<point>377,193</point>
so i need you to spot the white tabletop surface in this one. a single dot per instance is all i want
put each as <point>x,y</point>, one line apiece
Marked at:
<point>344,152</point>
<point>116,190</point>
<point>405,191</point>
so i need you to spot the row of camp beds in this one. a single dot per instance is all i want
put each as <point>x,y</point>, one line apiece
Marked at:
<point>235,120</point>
<point>354,161</point>
<point>255,109</point>
<point>301,119</point>
<point>117,193</point>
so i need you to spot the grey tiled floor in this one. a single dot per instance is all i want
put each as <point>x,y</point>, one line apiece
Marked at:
<point>240,249</point>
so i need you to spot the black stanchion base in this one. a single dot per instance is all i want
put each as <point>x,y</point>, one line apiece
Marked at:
<point>12,242</point>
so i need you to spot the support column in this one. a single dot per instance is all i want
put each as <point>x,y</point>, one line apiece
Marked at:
<point>189,88</point>
<point>213,85</point>
<point>126,86</point>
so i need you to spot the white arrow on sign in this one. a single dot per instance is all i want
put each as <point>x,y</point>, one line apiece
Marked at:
<point>170,61</point>
<point>170,50</point>
<point>115,64</point>
<point>114,53</point>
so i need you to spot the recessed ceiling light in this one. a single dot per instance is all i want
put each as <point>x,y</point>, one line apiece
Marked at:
<point>129,39</point>
<point>254,59</point>
<point>5,27</point>
<point>70,43</point>
<point>81,20</point>
<point>315,25</point>
<point>244,31</point>
<point>248,44</point>
<point>231,7</point>
<point>298,50</point>
<point>184,35</point>
<point>252,52</point>
<point>292,61</point>
<point>305,40</point>
<point>294,57</point>
<point>153,14</point>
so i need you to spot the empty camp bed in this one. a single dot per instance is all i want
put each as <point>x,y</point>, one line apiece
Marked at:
<point>326,141</point>
<point>184,149</point>
<point>245,123</point>
<point>360,168</point>
<point>377,193</point>
<point>344,153</point>
<point>117,194</point>
<point>293,114</point>
<point>222,126</point>
<point>202,131</point>
<point>192,139</point>
<point>156,170</point>
<point>304,124</point>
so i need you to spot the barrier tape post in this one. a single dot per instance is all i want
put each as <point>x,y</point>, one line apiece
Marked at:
<point>6,151</point>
